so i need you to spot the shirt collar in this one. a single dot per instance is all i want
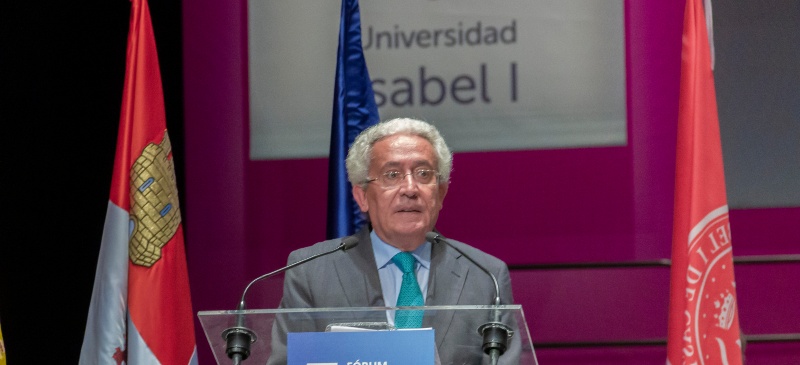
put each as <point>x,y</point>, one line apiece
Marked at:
<point>384,252</point>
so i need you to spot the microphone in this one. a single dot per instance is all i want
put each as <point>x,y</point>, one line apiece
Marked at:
<point>240,337</point>
<point>495,334</point>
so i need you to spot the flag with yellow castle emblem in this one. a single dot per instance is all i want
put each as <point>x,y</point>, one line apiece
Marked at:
<point>140,311</point>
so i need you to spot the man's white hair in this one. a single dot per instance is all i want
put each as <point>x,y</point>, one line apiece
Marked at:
<point>360,153</point>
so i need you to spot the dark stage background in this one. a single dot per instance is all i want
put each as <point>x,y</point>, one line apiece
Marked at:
<point>62,66</point>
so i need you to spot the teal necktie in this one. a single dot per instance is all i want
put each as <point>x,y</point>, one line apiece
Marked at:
<point>410,294</point>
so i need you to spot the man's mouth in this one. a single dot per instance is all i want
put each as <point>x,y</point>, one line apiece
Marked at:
<point>408,210</point>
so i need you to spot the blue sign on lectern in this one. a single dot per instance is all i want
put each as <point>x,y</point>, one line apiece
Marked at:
<point>391,347</point>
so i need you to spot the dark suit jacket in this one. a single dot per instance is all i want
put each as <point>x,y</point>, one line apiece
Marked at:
<point>350,279</point>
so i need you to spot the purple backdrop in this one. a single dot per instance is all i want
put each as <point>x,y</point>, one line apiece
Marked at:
<point>600,204</point>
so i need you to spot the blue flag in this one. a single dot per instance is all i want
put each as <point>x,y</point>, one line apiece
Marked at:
<point>354,110</point>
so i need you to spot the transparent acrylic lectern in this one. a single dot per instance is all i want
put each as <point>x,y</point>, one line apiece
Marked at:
<point>463,334</point>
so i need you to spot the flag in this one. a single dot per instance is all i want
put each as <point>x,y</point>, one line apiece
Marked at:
<point>703,323</point>
<point>354,110</point>
<point>2,349</point>
<point>140,311</point>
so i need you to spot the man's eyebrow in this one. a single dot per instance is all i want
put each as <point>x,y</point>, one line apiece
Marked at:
<point>415,164</point>
<point>391,164</point>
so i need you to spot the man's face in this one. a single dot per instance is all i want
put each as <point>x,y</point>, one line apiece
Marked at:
<point>403,214</point>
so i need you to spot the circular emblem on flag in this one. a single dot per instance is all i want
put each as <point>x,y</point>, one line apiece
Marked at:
<point>712,329</point>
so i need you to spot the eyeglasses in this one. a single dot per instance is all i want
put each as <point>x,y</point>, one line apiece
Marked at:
<point>393,178</point>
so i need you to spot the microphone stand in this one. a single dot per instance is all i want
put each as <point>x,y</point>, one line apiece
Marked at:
<point>495,333</point>
<point>238,338</point>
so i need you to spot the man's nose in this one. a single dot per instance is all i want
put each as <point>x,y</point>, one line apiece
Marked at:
<point>409,182</point>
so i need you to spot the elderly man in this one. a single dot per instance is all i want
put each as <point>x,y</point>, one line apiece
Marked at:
<point>400,171</point>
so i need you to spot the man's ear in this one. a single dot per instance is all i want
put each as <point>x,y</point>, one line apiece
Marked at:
<point>442,193</point>
<point>360,195</point>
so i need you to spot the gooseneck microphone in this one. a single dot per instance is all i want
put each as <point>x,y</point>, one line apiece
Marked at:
<point>240,337</point>
<point>495,333</point>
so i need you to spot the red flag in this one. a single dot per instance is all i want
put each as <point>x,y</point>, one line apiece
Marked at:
<point>703,320</point>
<point>140,310</point>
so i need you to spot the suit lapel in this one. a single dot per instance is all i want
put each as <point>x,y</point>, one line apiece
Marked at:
<point>444,287</point>
<point>358,274</point>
